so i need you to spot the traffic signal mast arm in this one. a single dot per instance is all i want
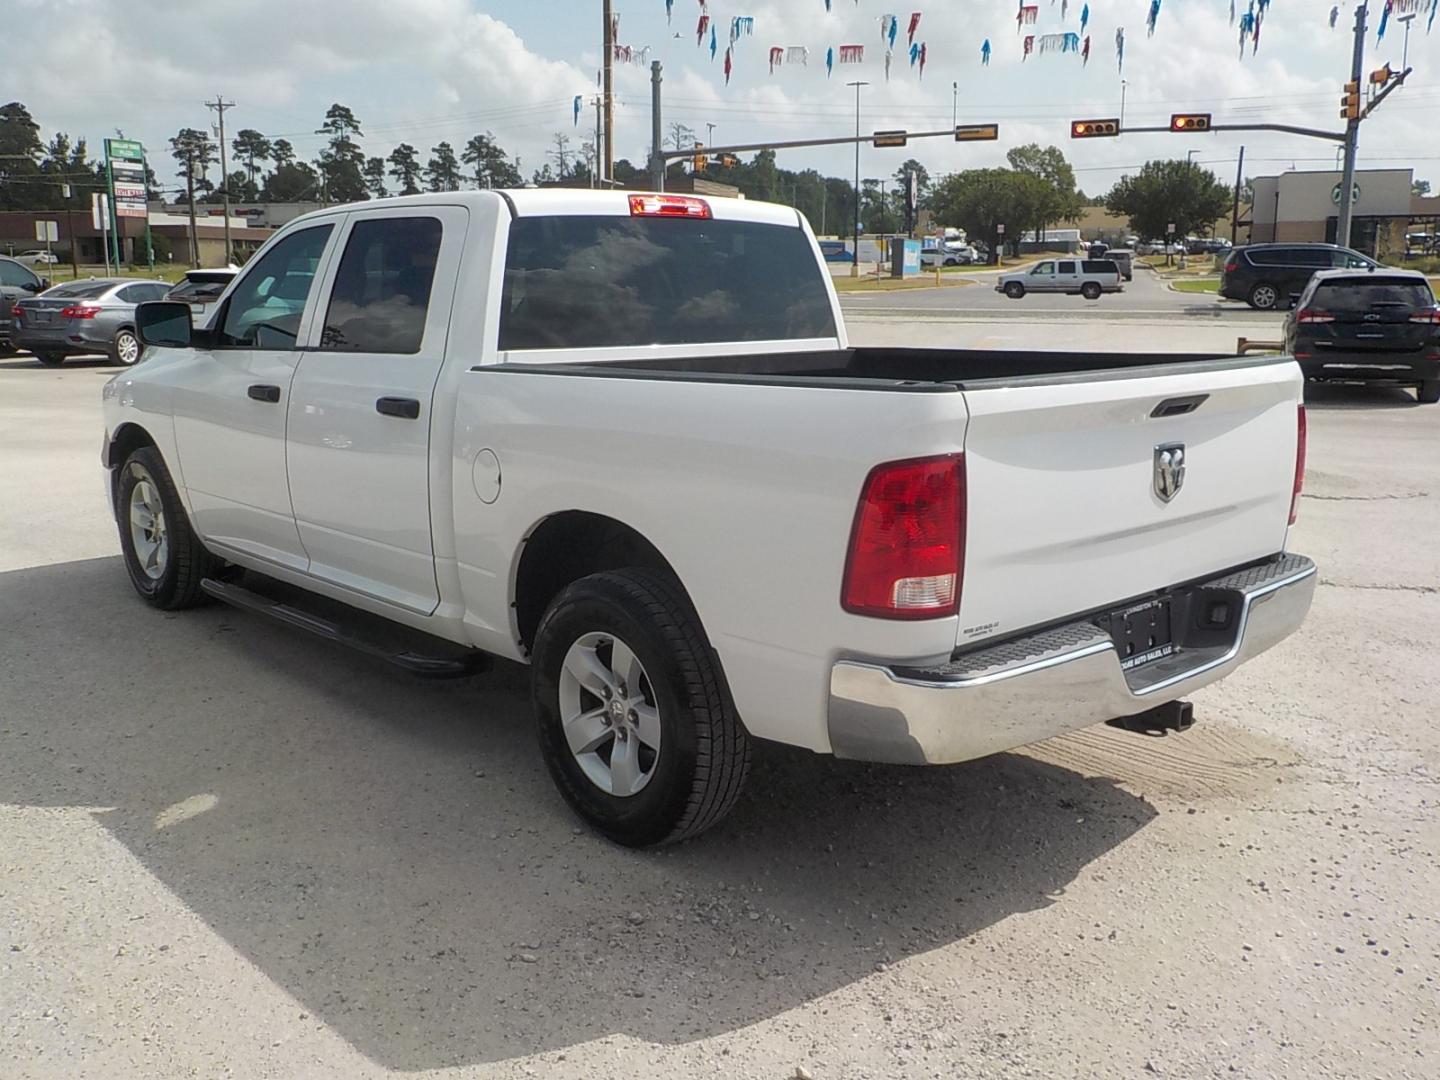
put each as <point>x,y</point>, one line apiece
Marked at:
<point>1391,82</point>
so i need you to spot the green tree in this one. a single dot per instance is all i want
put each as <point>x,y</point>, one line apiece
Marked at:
<point>1170,192</point>
<point>195,152</point>
<point>342,162</point>
<point>405,169</point>
<point>21,185</point>
<point>443,171</point>
<point>251,147</point>
<point>978,200</point>
<point>375,177</point>
<point>282,153</point>
<point>489,166</point>
<point>922,182</point>
<point>292,181</point>
<point>1048,165</point>
<point>1420,188</point>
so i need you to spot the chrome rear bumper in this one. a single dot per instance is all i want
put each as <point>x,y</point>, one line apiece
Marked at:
<point>1034,687</point>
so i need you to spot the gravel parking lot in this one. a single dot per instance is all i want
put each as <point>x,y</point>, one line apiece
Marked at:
<point>226,849</point>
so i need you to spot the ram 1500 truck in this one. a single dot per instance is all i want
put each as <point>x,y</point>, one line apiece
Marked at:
<point>622,438</point>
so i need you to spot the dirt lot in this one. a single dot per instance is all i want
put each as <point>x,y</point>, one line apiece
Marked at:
<point>230,850</point>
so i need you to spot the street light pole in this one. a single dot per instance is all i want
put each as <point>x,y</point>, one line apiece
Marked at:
<point>709,134</point>
<point>1123,84</point>
<point>1405,50</point>
<point>955,98</point>
<point>855,263</point>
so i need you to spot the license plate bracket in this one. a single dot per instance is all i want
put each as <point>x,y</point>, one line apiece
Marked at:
<point>1142,632</point>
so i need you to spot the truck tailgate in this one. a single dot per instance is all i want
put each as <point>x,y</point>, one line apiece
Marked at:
<point>1066,507</point>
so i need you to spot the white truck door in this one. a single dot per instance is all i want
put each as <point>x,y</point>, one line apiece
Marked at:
<point>1067,275</point>
<point>230,410</point>
<point>1042,277</point>
<point>358,445</point>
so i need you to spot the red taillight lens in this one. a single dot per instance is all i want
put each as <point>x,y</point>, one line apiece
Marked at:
<point>1312,316</point>
<point>684,206</point>
<point>907,548</point>
<point>1300,439</point>
<point>79,311</point>
<point>1232,266</point>
<point>1432,317</point>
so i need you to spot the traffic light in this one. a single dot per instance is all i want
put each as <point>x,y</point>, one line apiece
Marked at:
<point>1350,103</point>
<point>728,161</point>
<point>1190,122</point>
<point>699,161</point>
<point>1094,129</point>
<point>889,138</point>
<point>1381,76</point>
<point>977,132</point>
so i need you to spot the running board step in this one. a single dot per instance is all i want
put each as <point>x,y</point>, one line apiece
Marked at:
<point>412,650</point>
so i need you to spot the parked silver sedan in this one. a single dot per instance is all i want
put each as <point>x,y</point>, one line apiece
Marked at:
<point>79,317</point>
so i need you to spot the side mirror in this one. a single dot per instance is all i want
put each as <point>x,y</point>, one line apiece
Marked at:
<point>165,323</point>
<point>36,286</point>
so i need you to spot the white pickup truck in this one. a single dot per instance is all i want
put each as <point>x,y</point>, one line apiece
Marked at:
<point>621,438</point>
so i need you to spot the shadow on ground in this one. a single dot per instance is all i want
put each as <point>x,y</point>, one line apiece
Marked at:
<point>1340,396</point>
<point>391,852</point>
<point>19,361</point>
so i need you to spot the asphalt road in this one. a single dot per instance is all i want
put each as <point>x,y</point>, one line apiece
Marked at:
<point>227,849</point>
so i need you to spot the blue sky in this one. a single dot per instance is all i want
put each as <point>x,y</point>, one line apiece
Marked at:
<point>426,70</point>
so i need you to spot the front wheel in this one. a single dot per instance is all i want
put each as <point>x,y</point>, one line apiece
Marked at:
<point>635,721</point>
<point>1428,392</point>
<point>1090,290</point>
<point>1014,290</point>
<point>163,556</point>
<point>125,349</point>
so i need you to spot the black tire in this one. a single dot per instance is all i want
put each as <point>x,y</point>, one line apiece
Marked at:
<point>1015,290</point>
<point>125,343</point>
<point>187,562</point>
<point>1264,297</point>
<point>49,359</point>
<point>1090,290</point>
<point>704,750</point>
<point>1428,392</point>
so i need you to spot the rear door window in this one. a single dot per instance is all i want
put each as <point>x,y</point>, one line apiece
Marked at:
<point>1066,268</point>
<point>382,288</point>
<point>595,281</point>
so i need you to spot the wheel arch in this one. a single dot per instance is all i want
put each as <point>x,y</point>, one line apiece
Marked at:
<point>124,441</point>
<point>569,545</point>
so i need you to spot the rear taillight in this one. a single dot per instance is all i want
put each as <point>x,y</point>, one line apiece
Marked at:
<point>1232,266</point>
<point>1432,317</point>
<point>1299,467</point>
<point>1310,315</point>
<point>683,206</point>
<point>907,547</point>
<point>80,311</point>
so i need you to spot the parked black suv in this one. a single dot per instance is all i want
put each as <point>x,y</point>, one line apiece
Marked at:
<point>1371,326</point>
<point>1266,276</point>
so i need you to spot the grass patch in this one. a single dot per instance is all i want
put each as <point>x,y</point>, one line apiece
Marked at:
<point>63,272</point>
<point>1196,285</point>
<point>870,283</point>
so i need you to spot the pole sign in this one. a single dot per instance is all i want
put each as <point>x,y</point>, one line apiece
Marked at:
<point>1170,229</point>
<point>125,168</point>
<point>47,232</point>
<point>99,210</point>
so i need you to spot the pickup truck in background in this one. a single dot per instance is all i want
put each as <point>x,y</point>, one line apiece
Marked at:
<point>1084,277</point>
<point>622,438</point>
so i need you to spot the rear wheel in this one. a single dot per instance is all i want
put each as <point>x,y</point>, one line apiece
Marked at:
<point>125,349</point>
<point>1264,297</point>
<point>1090,290</point>
<point>635,721</point>
<point>50,359</point>
<point>1428,392</point>
<point>1014,290</point>
<point>163,556</point>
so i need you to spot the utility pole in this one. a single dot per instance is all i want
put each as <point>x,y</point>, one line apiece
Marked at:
<point>657,145</point>
<point>1352,135</point>
<point>220,105</point>
<point>1235,210</point>
<point>190,197</point>
<point>600,179</point>
<point>855,263</point>
<point>608,59</point>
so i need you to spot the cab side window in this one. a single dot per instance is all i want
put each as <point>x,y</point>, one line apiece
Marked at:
<point>1044,268</point>
<point>15,275</point>
<point>264,311</point>
<point>382,288</point>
